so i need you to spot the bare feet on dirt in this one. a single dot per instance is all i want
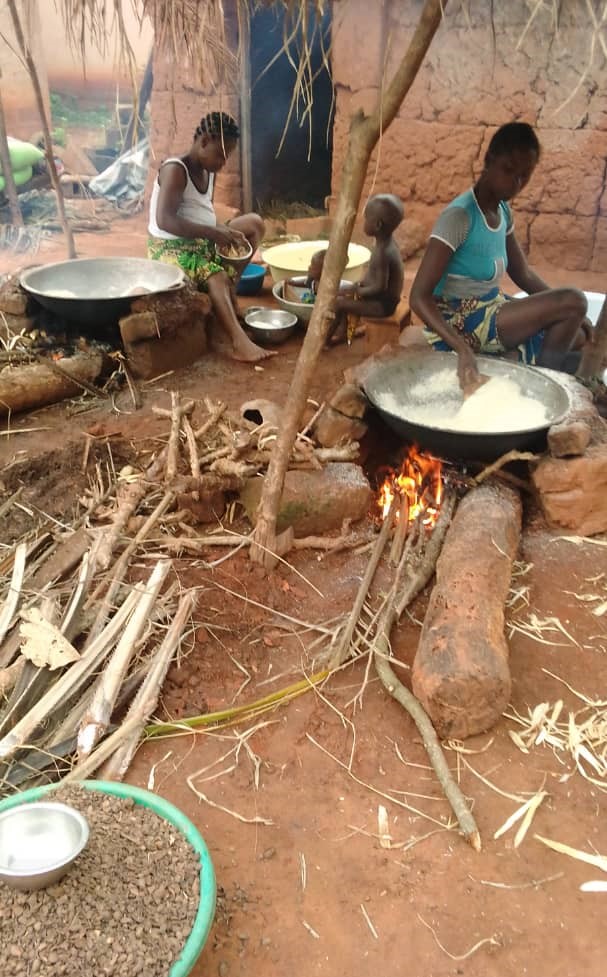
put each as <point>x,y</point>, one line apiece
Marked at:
<point>246,351</point>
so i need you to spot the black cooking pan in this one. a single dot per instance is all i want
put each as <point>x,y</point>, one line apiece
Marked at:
<point>95,292</point>
<point>410,369</point>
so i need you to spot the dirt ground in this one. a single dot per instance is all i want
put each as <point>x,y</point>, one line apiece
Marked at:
<point>304,886</point>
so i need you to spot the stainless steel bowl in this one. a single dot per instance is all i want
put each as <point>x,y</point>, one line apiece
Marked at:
<point>271,326</point>
<point>39,842</point>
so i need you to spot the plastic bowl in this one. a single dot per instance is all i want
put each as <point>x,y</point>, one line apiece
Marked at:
<point>239,264</point>
<point>270,326</point>
<point>303,310</point>
<point>206,907</point>
<point>251,281</point>
<point>39,843</point>
<point>289,260</point>
<point>595,303</point>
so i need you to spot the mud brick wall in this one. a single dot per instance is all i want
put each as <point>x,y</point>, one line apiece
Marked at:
<point>473,80</point>
<point>178,103</point>
<point>476,76</point>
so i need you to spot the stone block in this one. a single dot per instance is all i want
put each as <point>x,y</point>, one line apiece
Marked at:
<point>151,357</point>
<point>13,300</point>
<point>573,491</point>
<point>569,439</point>
<point>333,428</point>
<point>12,325</point>
<point>139,326</point>
<point>349,400</point>
<point>315,502</point>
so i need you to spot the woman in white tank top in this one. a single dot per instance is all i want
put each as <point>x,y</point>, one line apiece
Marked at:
<point>183,226</point>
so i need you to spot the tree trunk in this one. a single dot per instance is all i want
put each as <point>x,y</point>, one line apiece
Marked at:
<point>593,357</point>
<point>48,143</point>
<point>135,127</point>
<point>37,384</point>
<point>9,183</point>
<point>364,134</point>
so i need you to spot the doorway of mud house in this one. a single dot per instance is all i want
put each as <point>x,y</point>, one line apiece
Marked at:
<point>301,172</point>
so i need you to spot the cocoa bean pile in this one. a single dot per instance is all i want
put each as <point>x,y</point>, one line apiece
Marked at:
<point>125,908</point>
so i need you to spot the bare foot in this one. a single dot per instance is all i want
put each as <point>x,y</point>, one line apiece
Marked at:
<point>246,351</point>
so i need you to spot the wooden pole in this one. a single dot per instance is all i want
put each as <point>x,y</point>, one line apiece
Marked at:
<point>48,143</point>
<point>9,183</point>
<point>245,116</point>
<point>133,131</point>
<point>364,135</point>
<point>592,363</point>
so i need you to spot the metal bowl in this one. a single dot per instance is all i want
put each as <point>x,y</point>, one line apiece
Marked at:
<point>409,369</point>
<point>271,326</point>
<point>98,291</point>
<point>39,843</point>
<point>303,310</point>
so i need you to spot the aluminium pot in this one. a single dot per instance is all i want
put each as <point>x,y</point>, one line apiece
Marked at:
<point>408,370</point>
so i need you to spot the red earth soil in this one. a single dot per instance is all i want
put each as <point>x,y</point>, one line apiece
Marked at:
<point>304,885</point>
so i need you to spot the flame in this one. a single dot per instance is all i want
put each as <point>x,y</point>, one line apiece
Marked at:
<point>419,484</point>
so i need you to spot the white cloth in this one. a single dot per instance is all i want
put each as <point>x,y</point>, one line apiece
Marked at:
<point>195,206</point>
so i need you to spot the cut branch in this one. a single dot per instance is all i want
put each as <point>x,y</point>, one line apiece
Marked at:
<point>48,142</point>
<point>364,134</point>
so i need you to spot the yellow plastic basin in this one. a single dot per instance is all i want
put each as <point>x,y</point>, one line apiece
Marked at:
<point>288,260</point>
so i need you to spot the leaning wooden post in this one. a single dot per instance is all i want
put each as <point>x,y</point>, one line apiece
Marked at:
<point>48,143</point>
<point>364,134</point>
<point>5,159</point>
<point>594,355</point>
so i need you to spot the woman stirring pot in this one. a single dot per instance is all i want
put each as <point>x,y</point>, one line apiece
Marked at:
<point>456,291</point>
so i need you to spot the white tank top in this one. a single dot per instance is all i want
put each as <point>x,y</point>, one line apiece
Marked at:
<point>195,206</point>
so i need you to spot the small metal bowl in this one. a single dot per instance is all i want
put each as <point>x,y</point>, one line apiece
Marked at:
<point>271,325</point>
<point>39,842</point>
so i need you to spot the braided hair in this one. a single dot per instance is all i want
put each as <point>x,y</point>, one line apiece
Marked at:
<point>218,124</point>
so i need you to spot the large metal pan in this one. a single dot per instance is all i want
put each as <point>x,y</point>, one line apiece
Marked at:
<point>408,369</point>
<point>95,292</point>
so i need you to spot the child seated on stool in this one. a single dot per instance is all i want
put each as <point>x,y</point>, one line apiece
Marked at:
<point>378,294</point>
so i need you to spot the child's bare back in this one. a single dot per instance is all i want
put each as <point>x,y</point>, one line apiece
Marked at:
<point>379,292</point>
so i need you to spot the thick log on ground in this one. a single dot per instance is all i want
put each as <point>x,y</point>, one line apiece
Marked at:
<point>461,673</point>
<point>36,384</point>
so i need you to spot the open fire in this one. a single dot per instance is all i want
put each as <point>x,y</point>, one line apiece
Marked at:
<point>418,487</point>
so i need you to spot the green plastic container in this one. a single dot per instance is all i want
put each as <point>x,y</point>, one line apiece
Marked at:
<point>19,176</point>
<point>206,908</point>
<point>23,154</point>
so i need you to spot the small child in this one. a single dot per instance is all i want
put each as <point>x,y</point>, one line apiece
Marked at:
<point>311,283</point>
<point>378,294</point>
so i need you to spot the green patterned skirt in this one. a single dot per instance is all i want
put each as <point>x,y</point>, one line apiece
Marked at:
<point>197,257</point>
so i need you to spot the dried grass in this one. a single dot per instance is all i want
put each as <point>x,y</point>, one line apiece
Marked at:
<point>580,736</point>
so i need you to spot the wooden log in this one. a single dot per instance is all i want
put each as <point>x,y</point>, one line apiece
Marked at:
<point>460,673</point>
<point>37,384</point>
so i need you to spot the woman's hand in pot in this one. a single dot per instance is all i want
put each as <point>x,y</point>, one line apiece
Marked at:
<point>467,372</point>
<point>225,236</point>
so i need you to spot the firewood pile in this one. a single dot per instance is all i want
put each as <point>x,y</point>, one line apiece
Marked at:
<point>86,639</point>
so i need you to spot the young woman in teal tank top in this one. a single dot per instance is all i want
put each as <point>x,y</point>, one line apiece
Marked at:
<point>457,292</point>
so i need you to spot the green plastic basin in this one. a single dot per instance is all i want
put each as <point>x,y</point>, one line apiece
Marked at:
<point>206,907</point>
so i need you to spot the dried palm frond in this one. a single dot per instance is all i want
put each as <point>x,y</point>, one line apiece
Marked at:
<point>581,735</point>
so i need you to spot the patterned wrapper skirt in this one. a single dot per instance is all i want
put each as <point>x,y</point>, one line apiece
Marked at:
<point>196,257</point>
<point>477,320</point>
